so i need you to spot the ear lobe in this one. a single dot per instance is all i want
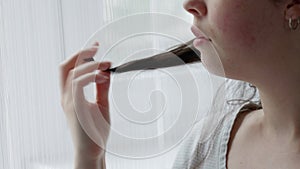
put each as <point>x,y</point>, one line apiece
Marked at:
<point>292,11</point>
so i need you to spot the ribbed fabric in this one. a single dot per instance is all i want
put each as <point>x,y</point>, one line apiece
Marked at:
<point>211,154</point>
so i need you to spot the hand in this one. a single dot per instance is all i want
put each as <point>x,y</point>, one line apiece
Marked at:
<point>72,98</point>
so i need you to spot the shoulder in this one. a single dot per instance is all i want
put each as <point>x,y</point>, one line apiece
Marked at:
<point>199,142</point>
<point>232,124</point>
<point>203,145</point>
<point>244,128</point>
<point>246,120</point>
<point>243,135</point>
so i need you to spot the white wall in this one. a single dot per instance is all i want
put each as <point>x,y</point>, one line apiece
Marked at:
<point>32,47</point>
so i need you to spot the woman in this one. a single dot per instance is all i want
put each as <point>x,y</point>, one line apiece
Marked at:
<point>257,42</point>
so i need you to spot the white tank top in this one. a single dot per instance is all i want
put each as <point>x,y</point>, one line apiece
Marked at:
<point>211,154</point>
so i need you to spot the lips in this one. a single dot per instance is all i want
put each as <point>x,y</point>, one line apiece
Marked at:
<point>200,38</point>
<point>198,33</point>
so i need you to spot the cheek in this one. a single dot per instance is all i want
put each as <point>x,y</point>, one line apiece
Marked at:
<point>234,27</point>
<point>240,31</point>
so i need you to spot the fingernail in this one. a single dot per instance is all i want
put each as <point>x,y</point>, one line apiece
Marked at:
<point>103,66</point>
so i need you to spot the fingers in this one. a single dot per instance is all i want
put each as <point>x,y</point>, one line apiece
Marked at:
<point>80,82</point>
<point>104,66</point>
<point>83,54</point>
<point>85,68</point>
<point>90,67</point>
<point>86,54</point>
<point>70,63</point>
<point>102,89</point>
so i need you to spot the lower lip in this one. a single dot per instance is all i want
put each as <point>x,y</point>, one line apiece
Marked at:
<point>199,41</point>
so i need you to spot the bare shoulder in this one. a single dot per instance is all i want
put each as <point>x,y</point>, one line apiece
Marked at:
<point>246,123</point>
<point>243,135</point>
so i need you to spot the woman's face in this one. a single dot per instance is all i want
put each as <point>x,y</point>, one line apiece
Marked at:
<point>244,33</point>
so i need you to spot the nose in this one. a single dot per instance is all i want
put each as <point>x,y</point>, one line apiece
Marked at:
<point>195,7</point>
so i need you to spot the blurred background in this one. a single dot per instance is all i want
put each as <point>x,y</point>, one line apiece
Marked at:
<point>35,36</point>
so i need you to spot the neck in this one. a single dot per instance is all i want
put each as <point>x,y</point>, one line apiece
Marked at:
<point>281,106</point>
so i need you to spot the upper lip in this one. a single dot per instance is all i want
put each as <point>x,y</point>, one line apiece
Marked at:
<point>196,31</point>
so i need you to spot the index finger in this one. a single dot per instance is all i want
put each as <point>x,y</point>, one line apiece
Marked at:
<point>69,63</point>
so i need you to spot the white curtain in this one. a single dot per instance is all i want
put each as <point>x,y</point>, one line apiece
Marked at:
<point>35,36</point>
